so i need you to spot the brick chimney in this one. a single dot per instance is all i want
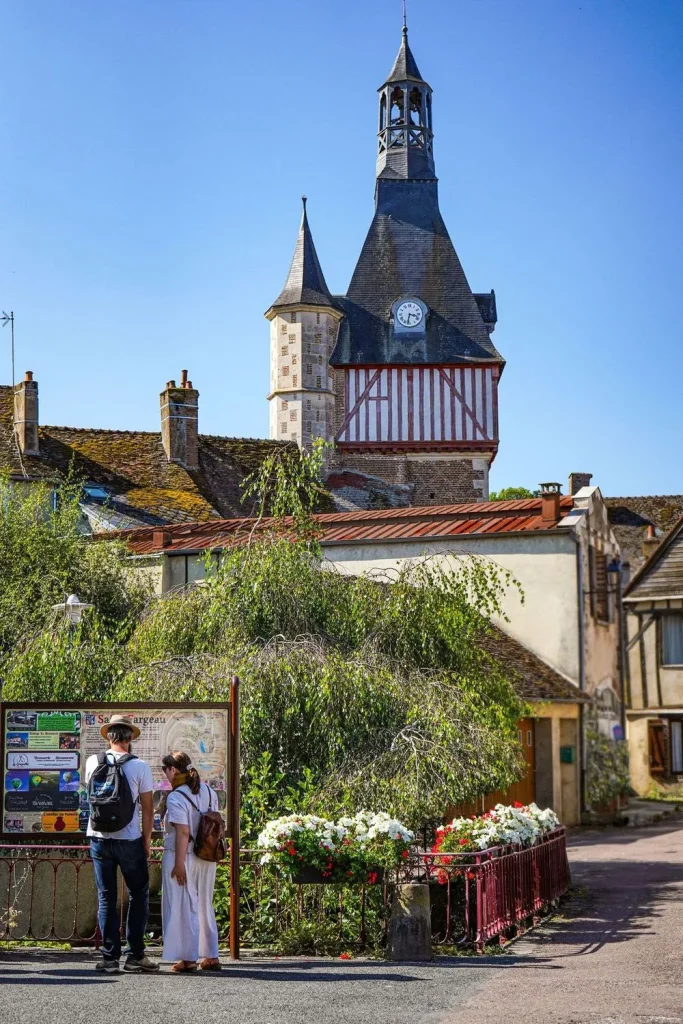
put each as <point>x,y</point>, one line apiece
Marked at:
<point>26,415</point>
<point>579,480</point>
<point>650,541</point>
<point>180,422</point>
<point>550,502</point>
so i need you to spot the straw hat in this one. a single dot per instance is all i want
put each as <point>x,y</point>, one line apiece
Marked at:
<point>120,720</point>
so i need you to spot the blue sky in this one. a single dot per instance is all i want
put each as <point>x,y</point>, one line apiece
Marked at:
<point>154,154</point>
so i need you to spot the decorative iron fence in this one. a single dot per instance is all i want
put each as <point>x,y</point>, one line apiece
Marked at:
<point>48,893</point>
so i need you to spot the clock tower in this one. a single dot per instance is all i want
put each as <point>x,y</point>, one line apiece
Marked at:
<point>413,368</point>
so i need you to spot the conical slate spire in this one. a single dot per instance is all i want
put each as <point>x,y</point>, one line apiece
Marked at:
<point>405,67</point>
<point>305,284</point>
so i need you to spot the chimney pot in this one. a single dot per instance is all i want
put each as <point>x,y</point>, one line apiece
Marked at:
<point>579,480</point>
<point>170,384</point>
<point>550,502</point>
<point>26,415</point>
<point>650,541</point>
<point>161,538</point>
<point>183,378</point>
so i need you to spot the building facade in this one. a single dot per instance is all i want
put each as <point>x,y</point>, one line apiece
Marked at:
<point>653,602</point>
<point>400,372</point>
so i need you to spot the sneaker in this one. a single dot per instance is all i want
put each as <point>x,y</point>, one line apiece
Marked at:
<point>144,965</point>
<point>108,966</point>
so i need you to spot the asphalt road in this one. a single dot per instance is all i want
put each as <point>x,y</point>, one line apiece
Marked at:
<point>614,958</point>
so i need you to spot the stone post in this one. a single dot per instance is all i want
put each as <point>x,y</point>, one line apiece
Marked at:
<point>410,928</point>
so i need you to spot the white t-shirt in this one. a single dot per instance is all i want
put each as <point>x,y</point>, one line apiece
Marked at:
<point>139,775</point>
<point>180,812</point>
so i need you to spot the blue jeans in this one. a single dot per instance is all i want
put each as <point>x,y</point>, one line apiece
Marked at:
<point>129,855</point>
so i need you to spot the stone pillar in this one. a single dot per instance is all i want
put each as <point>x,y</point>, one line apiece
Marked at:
<point>410,928</point>
<point>26,415</point>
<point>180,422</point>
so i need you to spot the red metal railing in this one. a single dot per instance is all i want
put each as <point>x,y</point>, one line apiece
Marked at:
<point>47,893</point>
<point>499,889</point>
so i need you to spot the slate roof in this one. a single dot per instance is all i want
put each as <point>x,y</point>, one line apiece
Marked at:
<point>532,678</point>
<point>630,517</point>
<point>405,66</point>
<point>305,284</point>
<point>408,252</point>
<point>142,485</point>
<point>399,524</point>
<point>661,575</point>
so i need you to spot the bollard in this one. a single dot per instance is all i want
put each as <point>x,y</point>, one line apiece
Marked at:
<point>410,929</point>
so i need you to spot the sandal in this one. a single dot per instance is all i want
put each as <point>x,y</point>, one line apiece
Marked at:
<point>184,967</point>
<point>210,964</point>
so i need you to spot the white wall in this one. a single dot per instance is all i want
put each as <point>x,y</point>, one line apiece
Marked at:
<point>545,565</point>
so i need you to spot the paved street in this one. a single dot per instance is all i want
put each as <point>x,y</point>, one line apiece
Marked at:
<point>615,958</point>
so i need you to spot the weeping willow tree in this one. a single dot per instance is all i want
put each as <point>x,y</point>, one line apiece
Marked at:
<point>366,691</point>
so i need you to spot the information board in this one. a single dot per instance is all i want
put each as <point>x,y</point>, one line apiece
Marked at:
<point>45,748</point>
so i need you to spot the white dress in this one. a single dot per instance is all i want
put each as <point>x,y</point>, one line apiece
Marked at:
<point>189,922</point>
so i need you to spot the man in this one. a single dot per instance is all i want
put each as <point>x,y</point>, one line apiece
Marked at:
<point>127,847</point>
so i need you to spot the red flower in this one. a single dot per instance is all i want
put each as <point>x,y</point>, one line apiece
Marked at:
<point>517,804</point>
<point>344,956</point>
<point>463,842</point>
<point>405,855</point>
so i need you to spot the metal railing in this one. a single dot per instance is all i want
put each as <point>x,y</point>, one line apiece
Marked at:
<point>48,894</point>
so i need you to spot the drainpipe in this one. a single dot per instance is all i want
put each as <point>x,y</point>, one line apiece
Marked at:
<point>582,675</point>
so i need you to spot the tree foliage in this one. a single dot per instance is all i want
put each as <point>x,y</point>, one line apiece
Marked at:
<point>512,494</point>
<point>358,691</point>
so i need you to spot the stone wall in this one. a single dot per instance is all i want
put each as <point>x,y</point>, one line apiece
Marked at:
<point>301,399</point>
<point>431,479</point>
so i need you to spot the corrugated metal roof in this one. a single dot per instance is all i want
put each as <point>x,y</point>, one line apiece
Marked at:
<point>430,522</point>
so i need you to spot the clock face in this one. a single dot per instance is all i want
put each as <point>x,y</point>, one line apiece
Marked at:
<point>409,314</point>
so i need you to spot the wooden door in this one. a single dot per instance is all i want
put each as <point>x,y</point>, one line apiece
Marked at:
<point>657,748</point>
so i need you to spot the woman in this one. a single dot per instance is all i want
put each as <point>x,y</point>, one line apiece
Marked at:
<point>189,922</point>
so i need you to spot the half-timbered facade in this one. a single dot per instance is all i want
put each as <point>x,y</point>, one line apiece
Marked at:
<point>410,392</point>
<point>653,642</point>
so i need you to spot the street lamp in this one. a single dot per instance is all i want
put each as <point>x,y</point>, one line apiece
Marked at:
<point>72,608</point>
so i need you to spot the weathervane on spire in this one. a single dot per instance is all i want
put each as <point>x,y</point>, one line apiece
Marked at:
<point>405,19</point>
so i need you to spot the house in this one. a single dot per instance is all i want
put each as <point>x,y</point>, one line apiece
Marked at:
<point>559,548</point>
<point>653,603</point>
<point>132,477</point>
<point>639,523</point>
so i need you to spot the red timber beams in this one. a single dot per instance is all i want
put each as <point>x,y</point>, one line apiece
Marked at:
<point>410,406</point>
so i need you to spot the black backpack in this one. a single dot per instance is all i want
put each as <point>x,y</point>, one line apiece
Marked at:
<point>111,802</point>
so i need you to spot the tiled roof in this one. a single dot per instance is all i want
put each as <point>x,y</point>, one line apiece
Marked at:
<point>405,66</point>
<point>402,524</point>
<point>532,678</point>
<point>661,575</point>
<point>132,467</point>
<point>630,517</point>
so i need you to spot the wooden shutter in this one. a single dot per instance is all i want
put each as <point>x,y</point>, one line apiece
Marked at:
<point>601,603</point>
<point>655,733</point>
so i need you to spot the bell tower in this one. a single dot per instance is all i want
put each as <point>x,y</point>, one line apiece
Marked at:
<point>405,135</point>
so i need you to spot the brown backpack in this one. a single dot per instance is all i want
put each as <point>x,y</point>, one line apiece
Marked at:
<point>209,843</point>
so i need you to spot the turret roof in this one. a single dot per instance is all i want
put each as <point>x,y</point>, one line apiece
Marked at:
<point>305,284</point>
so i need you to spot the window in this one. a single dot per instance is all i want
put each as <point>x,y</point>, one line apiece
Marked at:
<point>285,350</point>
<point>599,597</point>
<point>672,639</point>
<point>292,318</point>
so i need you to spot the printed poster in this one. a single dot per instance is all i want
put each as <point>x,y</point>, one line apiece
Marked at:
<point>46,751</point>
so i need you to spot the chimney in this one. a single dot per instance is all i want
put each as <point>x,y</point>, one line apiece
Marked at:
<point>26,415</point>
<point>180,422</point>
<point>650,541</point>
<point>579,480</point>
<point>550,502</point>
<point>161,538</point>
